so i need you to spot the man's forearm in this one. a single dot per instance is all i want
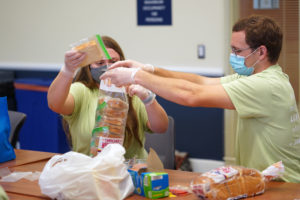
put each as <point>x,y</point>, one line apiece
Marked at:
<point>184,92</point>
<point>183,75</point>
<point>172,89</point>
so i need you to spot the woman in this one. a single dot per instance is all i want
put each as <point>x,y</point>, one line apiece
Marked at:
<point>77,103</point>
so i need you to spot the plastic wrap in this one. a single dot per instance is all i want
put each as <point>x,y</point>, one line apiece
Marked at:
<point>111,116</point>
<point>93,47</point>
<point>233,182</point>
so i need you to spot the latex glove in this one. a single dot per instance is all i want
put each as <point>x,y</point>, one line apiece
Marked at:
<point>120,76</point>
<point>144,94</point>
<point>72,60</point>
<point>133,64</point>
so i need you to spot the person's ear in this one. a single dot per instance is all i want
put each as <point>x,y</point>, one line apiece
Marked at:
<point>263,50</point>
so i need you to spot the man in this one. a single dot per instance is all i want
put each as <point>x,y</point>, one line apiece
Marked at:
<point>268,127</point>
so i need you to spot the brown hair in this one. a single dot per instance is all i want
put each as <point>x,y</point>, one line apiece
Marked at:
<point>261,30</point>
<point>84,76</point>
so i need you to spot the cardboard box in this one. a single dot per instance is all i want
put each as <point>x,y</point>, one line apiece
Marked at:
<point>149,178</point>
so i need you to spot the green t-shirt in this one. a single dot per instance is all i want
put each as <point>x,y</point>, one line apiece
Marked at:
<point>82,121</point>
<point>268,127</point>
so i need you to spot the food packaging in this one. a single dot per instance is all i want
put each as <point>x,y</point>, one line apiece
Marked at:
<point>234,182</point>
<point>149,178</point>
<point>111,117</point>
<point>93,47</point>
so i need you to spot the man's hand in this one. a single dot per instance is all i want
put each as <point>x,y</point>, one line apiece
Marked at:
<point>120,76</point>
<point>133,64</point>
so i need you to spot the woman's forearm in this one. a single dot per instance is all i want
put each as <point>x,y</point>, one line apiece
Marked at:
<point>157,117</point>
<point>58,94</point>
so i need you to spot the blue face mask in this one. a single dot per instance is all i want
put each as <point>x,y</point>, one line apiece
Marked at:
<point>238,64</point>
<point>97,72</point>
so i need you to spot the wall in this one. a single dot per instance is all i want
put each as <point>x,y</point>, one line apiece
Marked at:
<point>35,34</point>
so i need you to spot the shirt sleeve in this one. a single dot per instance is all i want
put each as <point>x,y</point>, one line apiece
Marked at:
<point>250,95</point>
<point>76,91</point>
<point>3,195</point>
<point>229,78</point>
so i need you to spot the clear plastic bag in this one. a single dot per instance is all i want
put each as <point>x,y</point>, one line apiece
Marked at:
<point>234,182</point>
<point>111,116</point>
<point>77,176</point>
<point>93,47</point>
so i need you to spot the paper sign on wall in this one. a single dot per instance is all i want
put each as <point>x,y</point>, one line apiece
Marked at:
<point>154,12</point>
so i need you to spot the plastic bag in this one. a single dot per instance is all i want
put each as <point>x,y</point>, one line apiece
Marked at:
<point>93,47</point>
<point>234,182</point>
<point>6,150</point>
<point>111,116</point>
<point>77,176</point>
<point>8,176</point>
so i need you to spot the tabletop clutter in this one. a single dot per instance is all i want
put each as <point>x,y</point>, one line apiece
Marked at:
<point>149,178</point>
<point>109,176</point>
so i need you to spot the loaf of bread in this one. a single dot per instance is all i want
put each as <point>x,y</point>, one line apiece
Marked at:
<point>234,182</point>
<point>116,103</point>
<point>114,117</point>
<point>229,182</point>
<point>110,123</point>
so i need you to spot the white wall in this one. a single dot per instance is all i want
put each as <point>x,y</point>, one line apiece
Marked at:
<point>36,33</point>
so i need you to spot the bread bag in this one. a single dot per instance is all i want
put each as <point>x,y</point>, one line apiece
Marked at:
<point>234,182</point>
<point>111,117</point>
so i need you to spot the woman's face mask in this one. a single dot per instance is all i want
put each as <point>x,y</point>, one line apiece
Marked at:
<point>238,64</point>
<point>97,72</point>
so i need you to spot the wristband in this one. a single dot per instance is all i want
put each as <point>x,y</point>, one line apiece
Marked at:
<point>149,100</point>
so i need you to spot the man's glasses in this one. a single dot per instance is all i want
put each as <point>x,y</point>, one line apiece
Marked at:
<point>238,51</point>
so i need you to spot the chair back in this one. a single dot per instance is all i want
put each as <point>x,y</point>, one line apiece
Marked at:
<point>17,120</point>
<point>163,144</point>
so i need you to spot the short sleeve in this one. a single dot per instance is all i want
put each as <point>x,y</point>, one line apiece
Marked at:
<point>229,78</point>
<point>250,95</point>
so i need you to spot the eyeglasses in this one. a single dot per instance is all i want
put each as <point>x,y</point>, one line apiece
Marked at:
<point>238,51</point>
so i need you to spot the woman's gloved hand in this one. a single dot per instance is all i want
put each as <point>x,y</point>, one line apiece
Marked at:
<point>72,60</point>
<point>145,95</point>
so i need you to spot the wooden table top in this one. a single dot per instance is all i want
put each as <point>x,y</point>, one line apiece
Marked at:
<point>27,156</point>
<point>34,161</point>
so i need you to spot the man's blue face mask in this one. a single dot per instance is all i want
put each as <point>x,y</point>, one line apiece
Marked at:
<point>97,72</point>
<point>238,64</point>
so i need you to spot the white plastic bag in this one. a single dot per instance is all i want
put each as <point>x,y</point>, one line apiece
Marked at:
<point>77,176</point>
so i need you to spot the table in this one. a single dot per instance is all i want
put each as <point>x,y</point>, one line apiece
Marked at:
<point>26,160</point>
<point>35,161</point>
